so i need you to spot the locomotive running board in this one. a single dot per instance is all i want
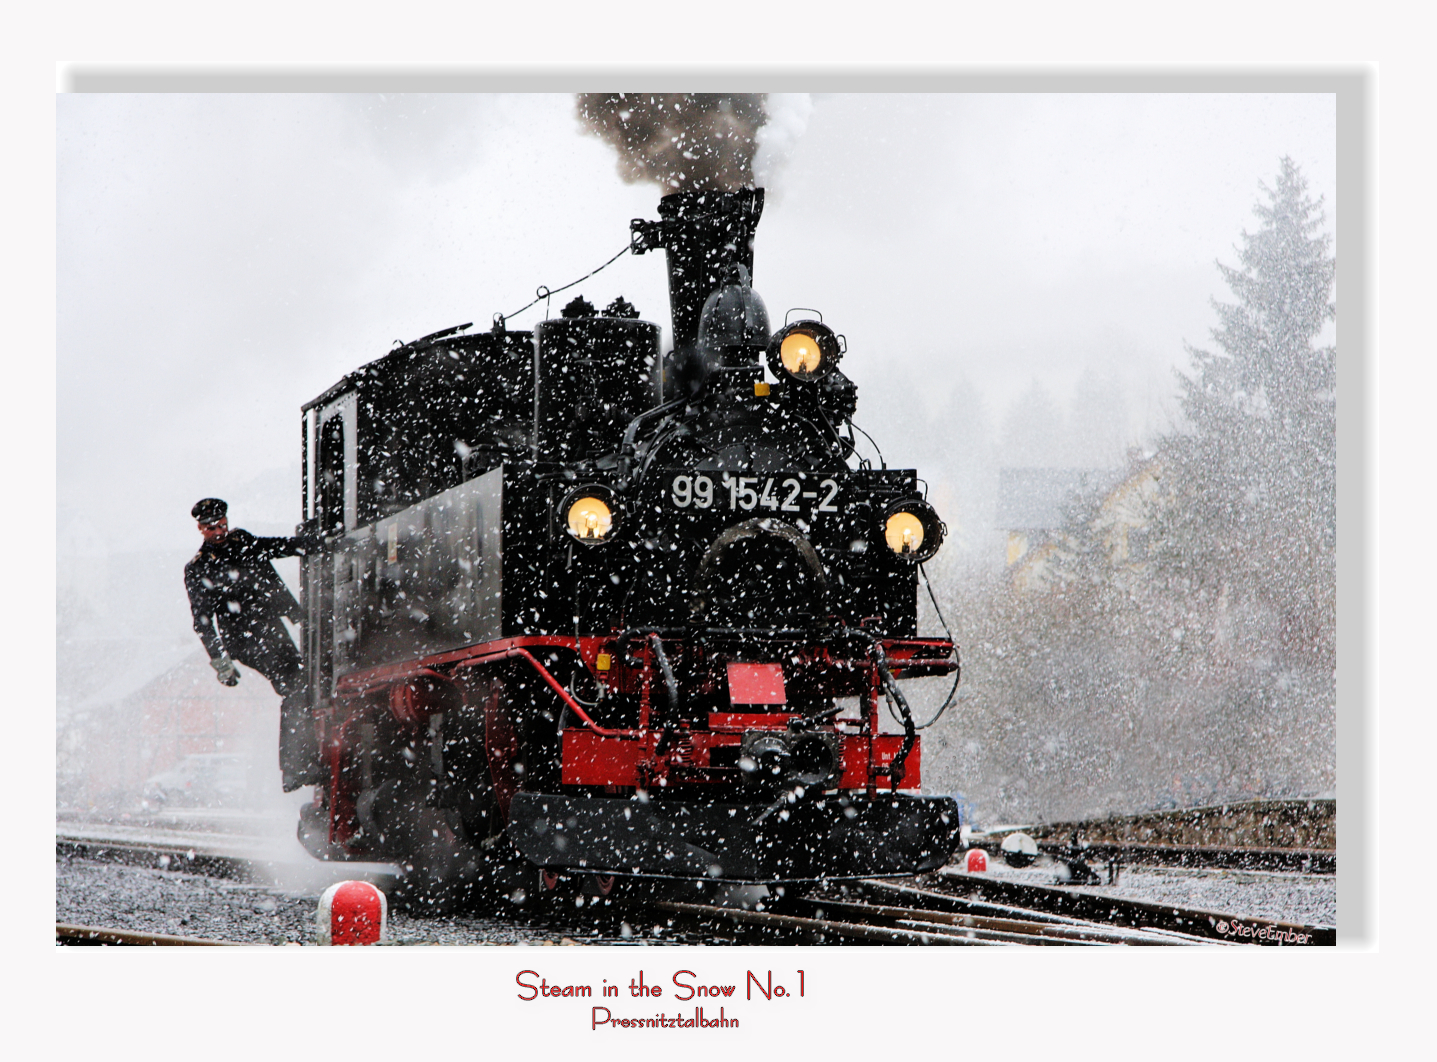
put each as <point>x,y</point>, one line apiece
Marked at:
<point>848,837</point>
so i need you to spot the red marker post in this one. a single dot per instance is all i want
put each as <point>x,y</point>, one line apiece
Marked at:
<point>352,912</point>
<point>976,861</point>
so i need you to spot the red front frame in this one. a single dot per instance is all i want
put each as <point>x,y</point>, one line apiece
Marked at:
<point>649,754</point>
<point>633,760</point>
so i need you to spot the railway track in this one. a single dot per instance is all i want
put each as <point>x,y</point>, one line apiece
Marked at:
<point>1270,835</point>
<point>952,907</point>
<point>1226,857</point>
<point>160,855</point>
<point>830,920</point>
<point>984,911</point>
<point>103,935</point>
<point>1212,926</point>
<point>944,909</point>
<point>220,855</point>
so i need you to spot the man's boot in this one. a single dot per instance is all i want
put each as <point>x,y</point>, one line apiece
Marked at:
<point>298,744</point>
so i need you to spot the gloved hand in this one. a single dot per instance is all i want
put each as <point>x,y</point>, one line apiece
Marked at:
<point>225,670</point>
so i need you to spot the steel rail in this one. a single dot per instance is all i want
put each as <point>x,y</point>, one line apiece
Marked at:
<point>870,933</point>
<point>875,923</point>
<point>185,857</point>
<point>1304,860</point>
<point>65,933</point>
<point>1257,823</point>
<point>1028,930</point>
<point>214,855</point>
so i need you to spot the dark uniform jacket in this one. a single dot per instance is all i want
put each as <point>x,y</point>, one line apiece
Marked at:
<point>234,588</point>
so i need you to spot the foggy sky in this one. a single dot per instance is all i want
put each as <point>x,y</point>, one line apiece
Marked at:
<point>221,259</point>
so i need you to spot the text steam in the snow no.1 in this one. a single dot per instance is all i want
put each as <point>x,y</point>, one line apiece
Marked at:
<point>685,986</point>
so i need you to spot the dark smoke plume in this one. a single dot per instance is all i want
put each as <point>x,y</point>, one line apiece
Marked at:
<point>688,142</point>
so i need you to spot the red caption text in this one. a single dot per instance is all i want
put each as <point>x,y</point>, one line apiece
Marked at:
<point>684,986</point>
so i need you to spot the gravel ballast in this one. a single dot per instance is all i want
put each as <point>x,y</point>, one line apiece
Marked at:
<point>177,903</point>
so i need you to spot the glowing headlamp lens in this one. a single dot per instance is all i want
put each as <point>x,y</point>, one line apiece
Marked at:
<point>589,519</point>
<point>804,351</point>
<point>904,533</point>
<point>800,354</point>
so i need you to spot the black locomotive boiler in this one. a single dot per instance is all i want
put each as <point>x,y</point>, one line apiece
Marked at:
<point>590,611</point>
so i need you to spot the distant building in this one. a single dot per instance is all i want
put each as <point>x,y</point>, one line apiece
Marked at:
<point>109,745</point>
<point>1036,504</point>
<point>1126,512</point>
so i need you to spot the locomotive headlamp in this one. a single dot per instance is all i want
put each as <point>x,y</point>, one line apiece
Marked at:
<point>912,530</point>
<point>804,350</point>
<point>904,533</point>
<point>589,514</point>
<point>799,354</point>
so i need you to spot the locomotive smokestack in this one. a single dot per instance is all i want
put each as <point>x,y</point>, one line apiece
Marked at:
<point>702,147</point>
<point>704,233</point>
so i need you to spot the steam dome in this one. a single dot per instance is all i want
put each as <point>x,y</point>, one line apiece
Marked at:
<point>733,315</point>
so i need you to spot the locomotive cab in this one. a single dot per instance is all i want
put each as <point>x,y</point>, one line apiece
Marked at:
<point>591,609</point>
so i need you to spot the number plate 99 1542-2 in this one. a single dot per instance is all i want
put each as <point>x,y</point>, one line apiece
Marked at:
<point>795,493</point>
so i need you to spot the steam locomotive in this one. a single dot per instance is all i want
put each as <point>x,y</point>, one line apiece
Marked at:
<point>588,611</point>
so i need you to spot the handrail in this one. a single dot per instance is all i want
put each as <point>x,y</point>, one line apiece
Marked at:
<point>670,685</point>
<point>574,706</point>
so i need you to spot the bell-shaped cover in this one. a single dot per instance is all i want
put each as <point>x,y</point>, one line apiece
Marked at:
<point>733,314</point>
